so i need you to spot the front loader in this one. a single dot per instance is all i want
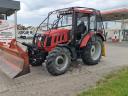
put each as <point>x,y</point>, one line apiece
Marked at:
<point>14,61</point>
<point>66,35</point>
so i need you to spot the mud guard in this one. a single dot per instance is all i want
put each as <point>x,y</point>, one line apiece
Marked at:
<point>85,40</point>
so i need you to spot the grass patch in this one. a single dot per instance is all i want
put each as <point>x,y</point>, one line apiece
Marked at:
<point>115,84</point>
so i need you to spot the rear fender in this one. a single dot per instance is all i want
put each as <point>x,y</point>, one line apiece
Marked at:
<point>85,39</point>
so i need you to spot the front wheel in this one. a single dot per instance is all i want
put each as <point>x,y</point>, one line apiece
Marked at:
<point>58,61</point>
<point>92,53</point>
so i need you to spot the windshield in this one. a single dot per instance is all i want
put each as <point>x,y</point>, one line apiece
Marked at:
<point>56,20</point>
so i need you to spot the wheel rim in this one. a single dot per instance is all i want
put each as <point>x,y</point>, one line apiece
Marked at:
<point>96,51</point>
<point>62,62</point>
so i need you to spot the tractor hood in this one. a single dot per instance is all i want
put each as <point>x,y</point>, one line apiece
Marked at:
<point>56,32</point>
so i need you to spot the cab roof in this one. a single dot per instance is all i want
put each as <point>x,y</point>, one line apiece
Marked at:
<point>76,9</point>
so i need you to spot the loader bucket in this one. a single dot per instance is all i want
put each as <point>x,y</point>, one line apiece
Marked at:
<point>13,60</point>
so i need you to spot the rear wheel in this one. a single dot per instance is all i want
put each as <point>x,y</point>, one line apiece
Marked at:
<point>92,52</point>
<point>58,61</point>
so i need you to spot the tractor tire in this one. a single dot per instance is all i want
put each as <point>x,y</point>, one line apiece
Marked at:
<point>92,53</point>
<point>58,61</point>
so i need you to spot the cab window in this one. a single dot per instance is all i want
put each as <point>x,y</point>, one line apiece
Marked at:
<point>92,22</point>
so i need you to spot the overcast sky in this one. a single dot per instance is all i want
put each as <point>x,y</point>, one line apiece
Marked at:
<point>34,11</point>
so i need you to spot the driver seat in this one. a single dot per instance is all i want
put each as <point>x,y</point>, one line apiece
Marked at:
<point>81,30</point>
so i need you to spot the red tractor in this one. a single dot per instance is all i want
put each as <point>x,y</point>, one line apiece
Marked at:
<point>68,34</point>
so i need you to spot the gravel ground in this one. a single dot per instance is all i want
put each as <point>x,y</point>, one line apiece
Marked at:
<point>80,77</point>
